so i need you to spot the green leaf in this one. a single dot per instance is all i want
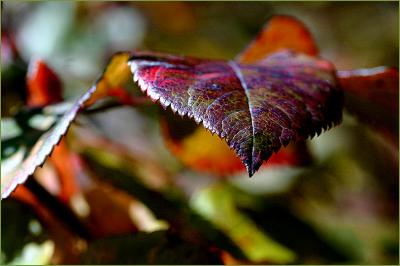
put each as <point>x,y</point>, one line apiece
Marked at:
<point>216,203</point>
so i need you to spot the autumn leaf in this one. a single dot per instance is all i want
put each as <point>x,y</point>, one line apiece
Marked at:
<point>256,108</point>
<point>196,147</point>
<point>202,151</point>
<point>280,32</point>
<point>266,98</point>
<point>44,86</point>
<point>372,95</point>
<point>116,74</point>
<point>199,149</point>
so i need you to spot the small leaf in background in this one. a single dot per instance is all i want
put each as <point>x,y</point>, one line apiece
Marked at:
<point>255,108</point>
<point>44,87</point>
<point>216,203</point>
<point>372,95</point>
<point>197,148</point>
<point>284,225</point>
<point>101,197</point>
<point>280,32</point>
<point>116,74</point>
<point>173,209</point>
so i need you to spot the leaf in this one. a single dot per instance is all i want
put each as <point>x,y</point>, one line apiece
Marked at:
<point>372,95</point>
<point>174,210</point>
<point>256,108</point>
<point>279,221</point>
<point>44,86</point>
<point>197,148</point>
<point>201,150</point>
<point>281,32</point>
<point>216,203</point>
<point>116,73</point>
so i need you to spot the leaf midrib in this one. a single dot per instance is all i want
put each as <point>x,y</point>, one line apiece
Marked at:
<point>239,75</point>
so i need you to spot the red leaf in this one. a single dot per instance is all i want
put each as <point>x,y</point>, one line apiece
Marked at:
<point>372,95</point>
<point>204,152</point>
<point>281,32</point>
<point>44,87</point>
<point>197,148</point>
<point>255,108</point>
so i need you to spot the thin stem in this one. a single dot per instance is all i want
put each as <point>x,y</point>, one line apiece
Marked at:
<point>112,104</point>
<point>61,211</point>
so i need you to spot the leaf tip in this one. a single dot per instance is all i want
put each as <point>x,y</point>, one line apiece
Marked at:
<point>254,164</point>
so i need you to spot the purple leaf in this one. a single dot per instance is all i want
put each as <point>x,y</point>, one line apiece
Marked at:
<point>256,108</point>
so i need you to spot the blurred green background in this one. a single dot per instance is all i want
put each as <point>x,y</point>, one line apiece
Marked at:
<point>342,209</point>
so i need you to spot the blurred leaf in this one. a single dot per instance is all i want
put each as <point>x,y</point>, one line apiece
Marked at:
<point>216,203</point>
<point>103,197</point>
<point>160,247</point>
<point>284,226</point>
<point>40,150</point>
<point>19,229</point>
<point>35,254</point>
<point>63,227</point>
<point>44,86</point>
<point>281,32</point>
<point>20,134</point>
<point>372,95</point>
<point>231,100</point>
<point>116,74</point>
<point>9,128</point>
<point>23,130</point>
<point>166,207</point>
<point>198,148</point>
<point>347,208</point>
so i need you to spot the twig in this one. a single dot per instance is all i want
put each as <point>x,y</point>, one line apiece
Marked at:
<point>61,211</point>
